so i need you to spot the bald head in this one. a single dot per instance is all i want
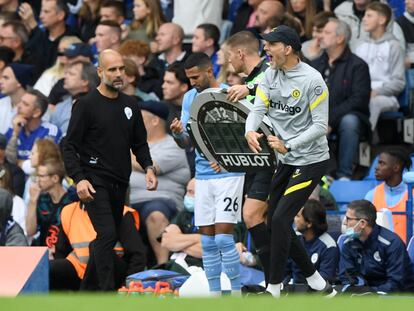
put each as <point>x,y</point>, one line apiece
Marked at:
<point>169,35</point>
<point>111,70</point>
<point>267,10</point>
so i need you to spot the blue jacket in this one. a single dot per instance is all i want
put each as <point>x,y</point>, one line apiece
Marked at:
<point>324,255</point>
<point>382,261</point>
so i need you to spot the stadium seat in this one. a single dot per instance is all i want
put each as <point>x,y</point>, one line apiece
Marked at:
<point>347,191</point>
<point>410,249</point>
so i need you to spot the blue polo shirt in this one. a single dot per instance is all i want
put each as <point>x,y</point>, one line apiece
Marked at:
<point>25,142</point>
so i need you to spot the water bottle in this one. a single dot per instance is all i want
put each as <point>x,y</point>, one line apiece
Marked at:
<point>248,258</point>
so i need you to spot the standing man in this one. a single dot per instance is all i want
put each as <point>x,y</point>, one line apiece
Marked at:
<point>244,56</point>
<point>295,98</point>
<point>218,195</point>
<point>105,125</point>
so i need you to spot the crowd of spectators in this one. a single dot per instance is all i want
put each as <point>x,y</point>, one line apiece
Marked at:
<point>48,56</point>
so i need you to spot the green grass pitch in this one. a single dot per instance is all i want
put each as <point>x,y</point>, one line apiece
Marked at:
<point>102,302</point>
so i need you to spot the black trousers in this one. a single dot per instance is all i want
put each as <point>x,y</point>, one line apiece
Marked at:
<point>291,187</point>
<point>63,276</point>
<point>105,213</point>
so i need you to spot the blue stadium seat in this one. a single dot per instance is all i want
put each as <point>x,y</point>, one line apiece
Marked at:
<point>410,249</point>
<point>347,191</point>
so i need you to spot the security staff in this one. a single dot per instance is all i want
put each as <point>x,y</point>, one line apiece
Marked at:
<point>295,98</point>
<point>373,259</point>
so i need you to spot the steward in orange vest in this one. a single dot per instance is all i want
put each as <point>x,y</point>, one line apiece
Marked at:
<point>74,262</point>
<point>392,193</point>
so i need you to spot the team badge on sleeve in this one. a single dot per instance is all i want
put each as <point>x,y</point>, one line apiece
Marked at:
<point>128,112</point>
<point>318,90</point>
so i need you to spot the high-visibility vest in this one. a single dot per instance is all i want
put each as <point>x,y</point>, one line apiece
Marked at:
<point>399,221</point>
<point>79,230</point>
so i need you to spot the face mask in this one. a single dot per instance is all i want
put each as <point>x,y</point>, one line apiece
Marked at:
<point>351,233</point>
<point>189,203</point>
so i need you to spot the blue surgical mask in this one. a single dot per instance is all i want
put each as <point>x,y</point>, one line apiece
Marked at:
<point>351,233</point>
<point>189,203</point>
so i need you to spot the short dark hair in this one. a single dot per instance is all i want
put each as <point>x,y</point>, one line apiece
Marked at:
<point>322,18</point>
<point>211,31</point>
<point>315,213</point>
<point>61,5</point>
<point>198,59</point>
<point>114,25</point>
<point>245,39</point>
<point>401,156</point>
<point>382,9</point>
<point>179,73</point>
<point>41,100</point>
<point>365,210</point>
<point>116,5</point>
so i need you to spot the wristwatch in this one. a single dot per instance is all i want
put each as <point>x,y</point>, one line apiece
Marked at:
<point>252,88</point>
<point>287,146</point>
<point>151,167</point>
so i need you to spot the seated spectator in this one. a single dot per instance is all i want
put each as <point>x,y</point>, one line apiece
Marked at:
<point>76,52</point>
<point>149,79</point>
<point>348,80</point>
<point>88,19</point>
<point>311,49</point>
<point>392,193</point>
<point>206,40</point>
<point>19,211</point>
<point>169,42</point>
<point>47,198</point>
<point>28,126</point>
<point>267,11</point>
<point>385,59</point>
<point>108,35</point>
<point>11,234</point>
<point>148,17</point>
<point>17,175</point>
<point>303,11</point>
<point>311,223</point>
<point>73,266</point>
<point>53,74</point>
<point>174,86</point>
<point>52,15</point>
<point>223,61</point>
<point>373,259</point>
<point>158,207</point>
<point>352,13</point>
<point>43,150</point>
<point>406,23</point>
<point>13,81</point>
<point>80,78</point>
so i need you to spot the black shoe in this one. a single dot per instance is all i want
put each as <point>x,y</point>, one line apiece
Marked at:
<point>264,293</point>
<point>328,291</point>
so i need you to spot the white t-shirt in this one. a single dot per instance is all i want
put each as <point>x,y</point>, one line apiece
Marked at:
<point>19,212</point>
<point>7,113</point>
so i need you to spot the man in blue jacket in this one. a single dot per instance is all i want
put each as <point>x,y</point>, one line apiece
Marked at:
<point>373,259</point>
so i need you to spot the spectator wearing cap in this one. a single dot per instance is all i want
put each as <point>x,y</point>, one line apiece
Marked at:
<point>76,52</point>
<point>53,74</point>
<point>13,81</point>
<point>80,78</point>
<point>27,126</point>
<point>157,208</point>
<point>17,175</point>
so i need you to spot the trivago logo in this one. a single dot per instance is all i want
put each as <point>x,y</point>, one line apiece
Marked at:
<point>285,107</point>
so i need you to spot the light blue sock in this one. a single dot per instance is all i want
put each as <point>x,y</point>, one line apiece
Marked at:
<point>211,262</point>
<point>230,259</point>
